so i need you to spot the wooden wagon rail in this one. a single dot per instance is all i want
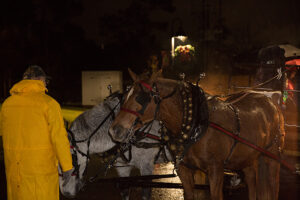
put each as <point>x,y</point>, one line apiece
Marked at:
<point>146,181</point>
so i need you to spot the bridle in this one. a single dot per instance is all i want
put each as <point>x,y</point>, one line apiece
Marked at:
<point>195,115</point>
<point>144,98</point>
<point>76,150</point>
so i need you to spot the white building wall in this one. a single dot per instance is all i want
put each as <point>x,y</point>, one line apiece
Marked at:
<point>94,85</point>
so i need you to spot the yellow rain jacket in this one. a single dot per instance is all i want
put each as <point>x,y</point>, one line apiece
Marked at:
<point>34,140</point>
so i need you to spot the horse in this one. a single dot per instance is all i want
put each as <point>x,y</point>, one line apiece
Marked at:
<point>193,117</point>
<point>86,124</point>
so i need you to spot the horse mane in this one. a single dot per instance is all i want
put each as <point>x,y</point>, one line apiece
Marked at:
<point>88,121</point>
<point>168,82</point>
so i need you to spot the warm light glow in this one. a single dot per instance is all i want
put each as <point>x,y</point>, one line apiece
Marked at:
<point>173,46</point>
<point>179,37</point>
<point>182,38</point>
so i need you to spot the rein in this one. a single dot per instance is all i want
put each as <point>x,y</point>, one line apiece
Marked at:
<point>76,149</point>
<point>253,146</point>
<point>119,150</point>
<point>278,76</point>
<point>195,115</point>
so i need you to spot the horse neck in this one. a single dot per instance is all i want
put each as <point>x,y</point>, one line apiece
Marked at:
<point>171,107</point>
<point>83,128</point>
<point>102,141</point>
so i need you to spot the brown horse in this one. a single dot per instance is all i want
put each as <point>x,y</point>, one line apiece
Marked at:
<point>252,116</point>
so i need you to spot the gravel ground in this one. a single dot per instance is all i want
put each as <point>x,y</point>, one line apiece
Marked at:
<point>161,193</point>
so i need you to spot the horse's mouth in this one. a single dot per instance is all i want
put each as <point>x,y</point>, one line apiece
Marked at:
<point>68,195</point>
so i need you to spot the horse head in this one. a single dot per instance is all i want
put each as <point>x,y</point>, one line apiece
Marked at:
<point>89,128</point>
<point>70,188</point>
<point>143,103</point>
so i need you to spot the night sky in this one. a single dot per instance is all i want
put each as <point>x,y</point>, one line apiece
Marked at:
<point>68,36</point>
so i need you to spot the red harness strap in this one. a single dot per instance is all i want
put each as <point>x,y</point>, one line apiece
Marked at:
<point>146,85</point>
<point>149,135</point>
<point>265,152</point>
<point>154,137</point>
<point>131,112</point>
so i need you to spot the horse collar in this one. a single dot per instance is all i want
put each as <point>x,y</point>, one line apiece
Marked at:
<point>194,120</point>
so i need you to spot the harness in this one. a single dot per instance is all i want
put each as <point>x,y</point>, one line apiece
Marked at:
<point>144,98</point>
<point>76,149</point>
<point>235,110</point>
<point>237,138</point>
<point>195,122</point>
<point>110,157</point>
<point>117,151</point>
<point>195,116</point>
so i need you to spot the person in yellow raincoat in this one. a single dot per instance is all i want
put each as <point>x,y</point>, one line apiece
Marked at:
<point>34,140</point>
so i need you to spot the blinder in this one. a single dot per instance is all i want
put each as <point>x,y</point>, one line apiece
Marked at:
<point>144,98</point>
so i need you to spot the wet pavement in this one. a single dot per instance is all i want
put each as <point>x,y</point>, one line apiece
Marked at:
<point>289,187</point>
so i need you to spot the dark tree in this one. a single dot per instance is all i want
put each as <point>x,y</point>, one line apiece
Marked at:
<point>41,32</point>
<point>129,35</point>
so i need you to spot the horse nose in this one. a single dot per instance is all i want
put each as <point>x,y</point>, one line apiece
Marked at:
<point>116,132</point>
<point>68,195</point>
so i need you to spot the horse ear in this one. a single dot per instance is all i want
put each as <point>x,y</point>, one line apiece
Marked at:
<point>132,75</point>
<point>157,74</point>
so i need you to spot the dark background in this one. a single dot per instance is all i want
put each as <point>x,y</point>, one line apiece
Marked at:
<point>68,36</point>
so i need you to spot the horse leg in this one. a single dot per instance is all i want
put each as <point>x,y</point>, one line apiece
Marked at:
<point>200,178</point>
<point>216,177</point>
<point>250,178</point>
<point>268,179</point>
<point>186,176</point>
<point>124,172</point>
